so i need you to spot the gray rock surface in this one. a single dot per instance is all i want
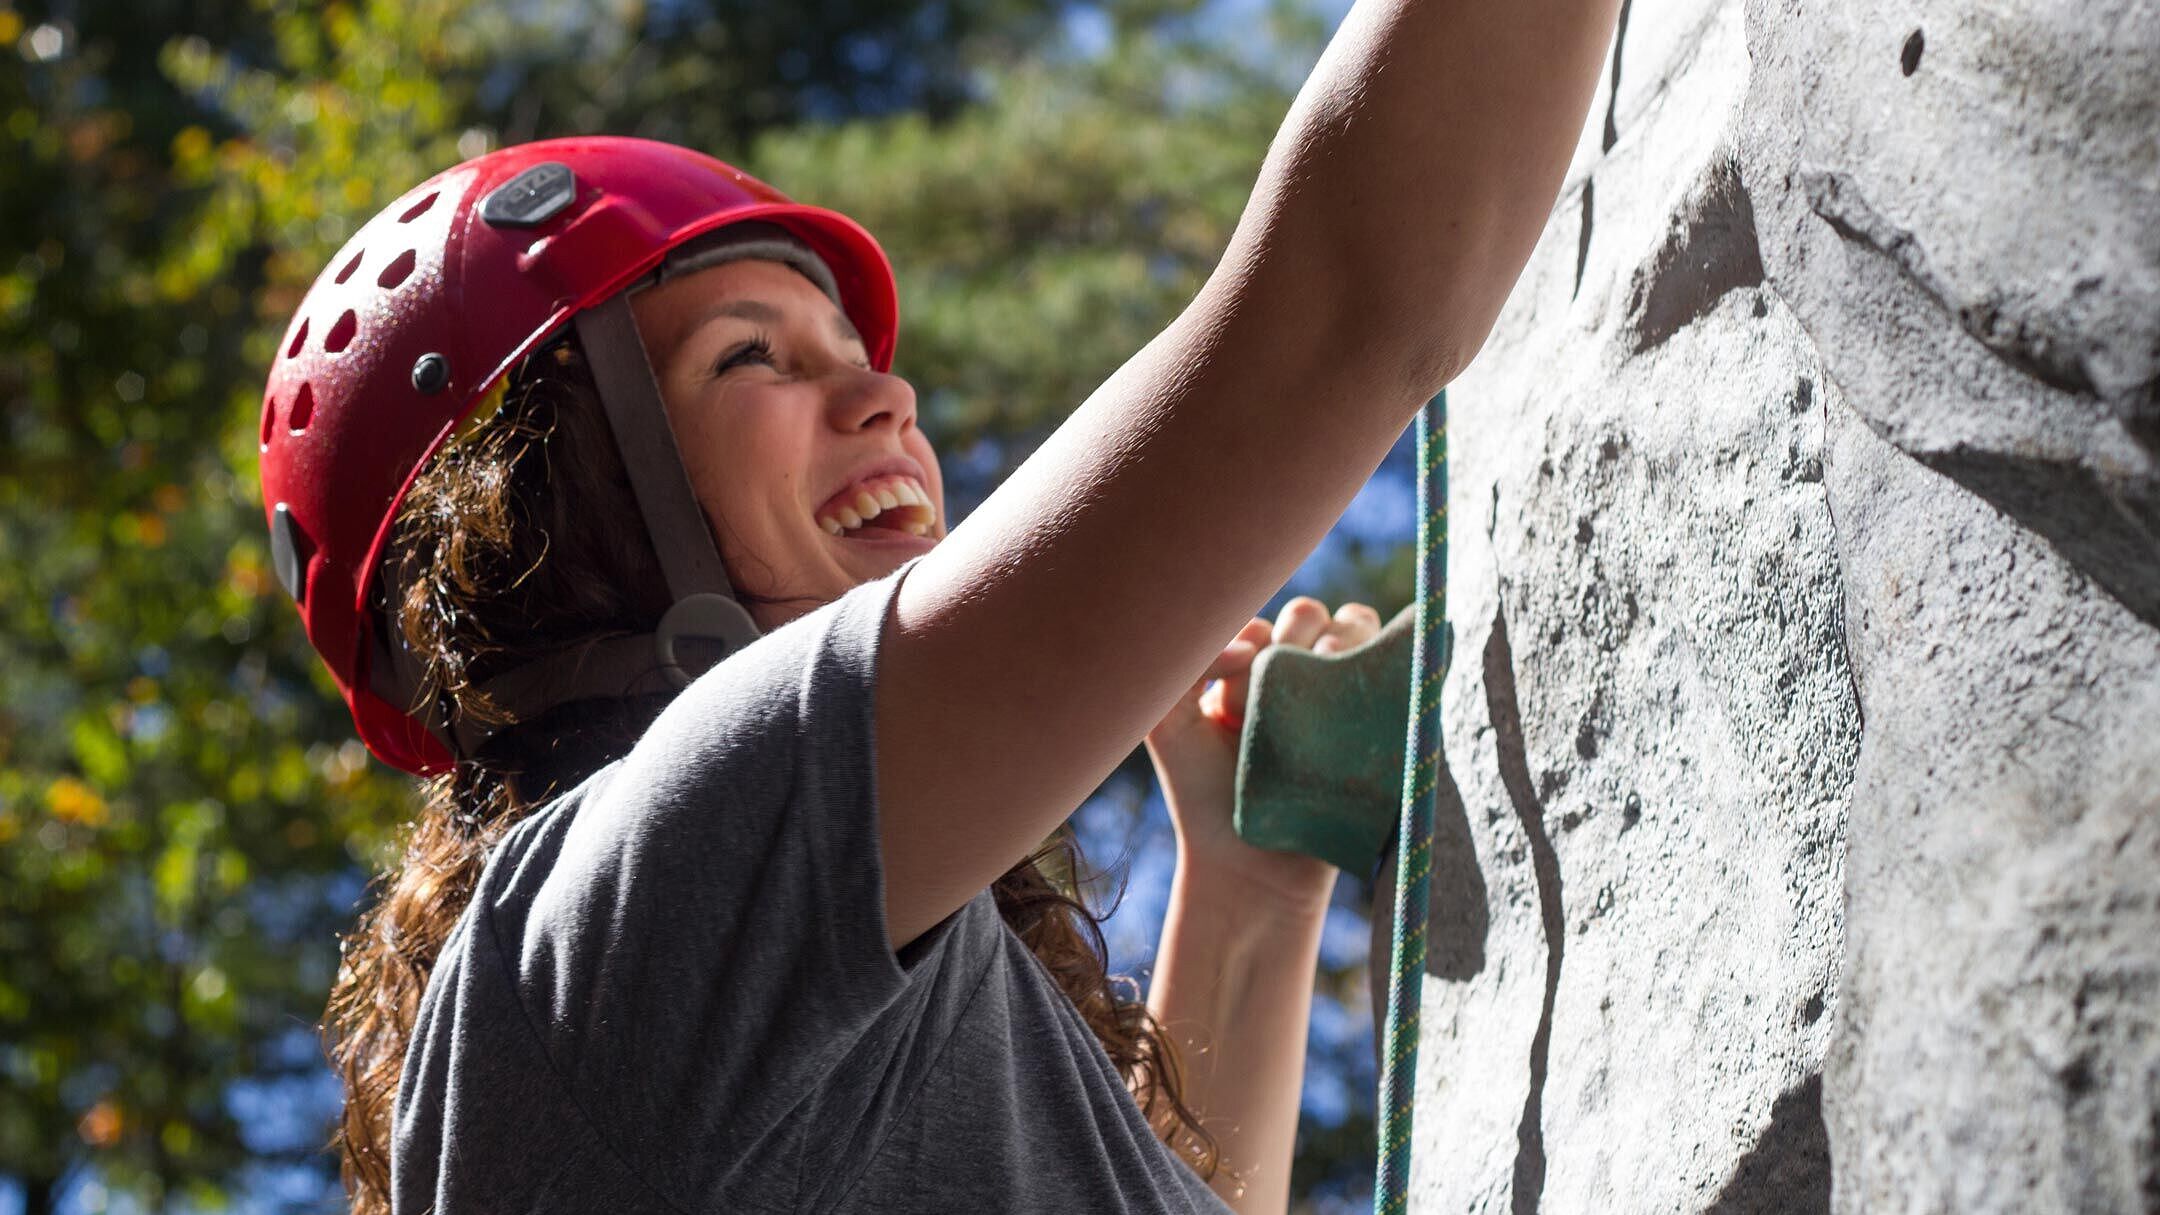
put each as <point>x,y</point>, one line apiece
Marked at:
<point>1801,844</point>
<point>1999,1041</point>
<point>1962,202</point>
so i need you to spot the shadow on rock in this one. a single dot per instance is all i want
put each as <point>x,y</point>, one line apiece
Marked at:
<point>1457,919</point>
<point>1787,1172</point>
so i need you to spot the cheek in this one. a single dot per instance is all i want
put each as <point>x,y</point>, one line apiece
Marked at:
<point>702,446</point>
<point>740,461</point>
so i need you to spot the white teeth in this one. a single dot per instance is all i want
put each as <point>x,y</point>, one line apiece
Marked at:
<point>869,503</point>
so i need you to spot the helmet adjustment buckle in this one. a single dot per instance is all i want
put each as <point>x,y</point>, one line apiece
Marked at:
<point>704,617</point>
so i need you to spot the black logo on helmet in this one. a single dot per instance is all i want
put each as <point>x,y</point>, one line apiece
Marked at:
<point>533,197</point>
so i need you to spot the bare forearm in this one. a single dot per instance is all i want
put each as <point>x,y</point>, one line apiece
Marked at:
<point>1418,165</point>
<point>1233,987</point>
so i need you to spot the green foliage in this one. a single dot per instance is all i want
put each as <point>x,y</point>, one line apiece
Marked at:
<point>715,74</point>
<point>181,800</point>
<point>185,817</point>
<point>1045,235</point>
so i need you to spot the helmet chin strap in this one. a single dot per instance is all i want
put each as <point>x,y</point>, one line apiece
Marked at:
<point>705,624</point>
<point>705,605</point>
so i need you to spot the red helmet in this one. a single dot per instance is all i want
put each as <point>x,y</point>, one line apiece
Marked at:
<point>430,305</point>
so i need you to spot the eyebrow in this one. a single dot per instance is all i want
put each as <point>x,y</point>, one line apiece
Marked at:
<point>758,312</point>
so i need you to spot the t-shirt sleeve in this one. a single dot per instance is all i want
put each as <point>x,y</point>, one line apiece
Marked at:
<point>703,941</point>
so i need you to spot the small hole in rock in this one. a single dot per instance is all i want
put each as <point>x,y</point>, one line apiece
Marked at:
<point>395,272</point>
<point>299,339</point>
<point>341,334</point>
<point>350,266</point>
<point>303,409</point>
<point>1909,58</point>
<point>418,209</point>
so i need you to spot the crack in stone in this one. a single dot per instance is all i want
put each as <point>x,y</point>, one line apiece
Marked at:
<point>2109,529</point>
<point>1612,136</point>
<point>1612,99</point>
<point>1582,240</point>
<point>1506,712</point>
<point>1838,551</point>
<point>1837,200</point>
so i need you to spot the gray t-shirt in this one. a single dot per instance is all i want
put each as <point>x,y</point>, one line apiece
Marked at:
<point>673,991</point>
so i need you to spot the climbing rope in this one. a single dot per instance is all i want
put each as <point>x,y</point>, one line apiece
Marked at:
<point>1413,842</point>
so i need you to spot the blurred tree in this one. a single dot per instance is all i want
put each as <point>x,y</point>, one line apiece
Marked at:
<point>185,819</point>
<point>182,808</point>
<point>1044,235</point>
<point>715,73</point>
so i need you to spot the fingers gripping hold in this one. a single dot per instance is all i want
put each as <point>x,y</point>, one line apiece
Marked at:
<point>1305,623</point>
<point>1354,625</point>
<point>1301,623</point>
<point>1360,615</point>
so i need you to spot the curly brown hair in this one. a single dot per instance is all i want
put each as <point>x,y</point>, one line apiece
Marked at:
<point>503,551</point>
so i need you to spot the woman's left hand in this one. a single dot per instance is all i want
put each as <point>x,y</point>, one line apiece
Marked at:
<point>1195,748</point>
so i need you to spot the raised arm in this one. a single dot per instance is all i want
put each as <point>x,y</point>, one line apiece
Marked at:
<point>1034,648</point>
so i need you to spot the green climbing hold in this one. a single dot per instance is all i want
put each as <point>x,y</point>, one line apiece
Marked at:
<point>1320,760</point>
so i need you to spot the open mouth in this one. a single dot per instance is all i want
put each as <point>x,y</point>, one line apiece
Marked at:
<point>881,508</point>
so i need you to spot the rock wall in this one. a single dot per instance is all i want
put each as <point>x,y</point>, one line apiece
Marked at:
<point>1801,847</point>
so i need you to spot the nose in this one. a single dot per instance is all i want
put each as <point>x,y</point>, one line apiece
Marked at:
<point>873,399</point>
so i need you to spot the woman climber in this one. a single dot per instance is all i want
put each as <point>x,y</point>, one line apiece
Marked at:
<point>586,467</point>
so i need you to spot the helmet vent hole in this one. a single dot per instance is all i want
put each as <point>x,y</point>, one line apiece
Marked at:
<point>396,271</point>
<point>341,334</point>
<point>350,266</point>
<point>303,409</point>
<point>418,209</point>
<point>269,421</point>
<point>299,339</point>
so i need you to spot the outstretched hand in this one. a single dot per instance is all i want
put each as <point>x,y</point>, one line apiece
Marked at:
<point>1195,747</point>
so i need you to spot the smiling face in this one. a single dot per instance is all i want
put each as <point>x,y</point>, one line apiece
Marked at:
<point>788,435</point>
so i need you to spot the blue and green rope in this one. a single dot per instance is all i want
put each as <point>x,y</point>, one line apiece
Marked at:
<point>1413,845</point>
